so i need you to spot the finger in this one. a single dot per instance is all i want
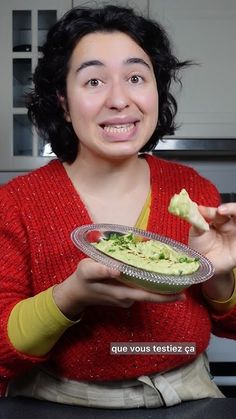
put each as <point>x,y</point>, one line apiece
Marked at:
<point>141,295</point>
<point>127,303</point>
<point>208,212</point>
<point>122,292</point>
<point>92,270</point>
<point>123,304</point>
<point>215,217</point>
<point>228,209</point>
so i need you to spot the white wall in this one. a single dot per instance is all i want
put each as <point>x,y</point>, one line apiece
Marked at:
<point>203,31</point>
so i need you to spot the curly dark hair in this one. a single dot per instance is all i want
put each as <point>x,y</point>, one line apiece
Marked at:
<point>44,107</point>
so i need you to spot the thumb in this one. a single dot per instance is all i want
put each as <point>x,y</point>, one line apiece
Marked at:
<point>208,213</point>
<point>213,216</point>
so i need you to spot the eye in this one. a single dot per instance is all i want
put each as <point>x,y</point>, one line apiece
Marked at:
<point>94,82</point>
<point>135,79</point>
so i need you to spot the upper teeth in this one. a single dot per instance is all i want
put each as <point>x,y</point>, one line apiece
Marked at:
<point>119,128</point>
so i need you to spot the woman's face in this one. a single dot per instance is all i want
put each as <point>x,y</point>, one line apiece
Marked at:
<point>112,97</point>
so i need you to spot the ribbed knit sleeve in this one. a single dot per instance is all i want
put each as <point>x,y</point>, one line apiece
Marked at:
<point>15,280</point>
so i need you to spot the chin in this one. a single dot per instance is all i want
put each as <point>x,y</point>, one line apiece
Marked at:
<point>124,150</point>
<point>122,156</point>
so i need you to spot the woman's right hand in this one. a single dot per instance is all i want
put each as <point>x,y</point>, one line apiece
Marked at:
<point>95,284</point>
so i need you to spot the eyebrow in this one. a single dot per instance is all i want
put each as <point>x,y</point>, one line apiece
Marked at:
<point>135,60</point>
<point>91,63</point>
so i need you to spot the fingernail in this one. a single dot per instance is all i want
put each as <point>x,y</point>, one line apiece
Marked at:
<point>223,209</point>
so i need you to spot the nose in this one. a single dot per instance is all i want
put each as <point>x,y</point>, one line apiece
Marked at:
<point>117,97</point>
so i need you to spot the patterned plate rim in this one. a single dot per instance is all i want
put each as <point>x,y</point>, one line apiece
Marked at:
<point>78,236</point>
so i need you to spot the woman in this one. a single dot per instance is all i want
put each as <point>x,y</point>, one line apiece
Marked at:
<point>101,97</point>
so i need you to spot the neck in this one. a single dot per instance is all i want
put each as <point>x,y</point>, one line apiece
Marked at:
<point>104,174</point>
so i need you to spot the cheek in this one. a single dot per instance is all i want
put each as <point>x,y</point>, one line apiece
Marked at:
<point>154,107</point>
<point>148,101</point>
<point>150,106</point>
<point>152,101</point>
<point>85,108</point>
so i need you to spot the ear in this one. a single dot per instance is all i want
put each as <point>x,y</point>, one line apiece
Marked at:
<point>64,105</point>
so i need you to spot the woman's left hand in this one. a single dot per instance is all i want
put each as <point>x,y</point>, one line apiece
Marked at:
<point>219,246</point>
<point>219,243</point>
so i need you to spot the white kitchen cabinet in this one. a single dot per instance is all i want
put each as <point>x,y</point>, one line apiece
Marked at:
<point>204,31</point>
<point>23,27</point>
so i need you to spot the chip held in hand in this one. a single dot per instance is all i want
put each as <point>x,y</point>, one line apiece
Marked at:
<point>182,206</point>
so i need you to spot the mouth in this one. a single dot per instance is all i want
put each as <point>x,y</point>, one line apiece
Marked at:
<point>119,128</point>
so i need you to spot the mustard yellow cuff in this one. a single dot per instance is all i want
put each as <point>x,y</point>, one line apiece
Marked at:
<point>225,305</point>
<point>36,324</point>
<point>57,313</point>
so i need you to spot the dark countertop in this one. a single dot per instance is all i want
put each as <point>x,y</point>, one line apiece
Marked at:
<point>23,408</point>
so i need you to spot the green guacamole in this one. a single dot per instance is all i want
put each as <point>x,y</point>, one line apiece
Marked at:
<point>150,255</point>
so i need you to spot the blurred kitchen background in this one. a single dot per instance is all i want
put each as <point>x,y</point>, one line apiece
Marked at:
<point>203,31</point>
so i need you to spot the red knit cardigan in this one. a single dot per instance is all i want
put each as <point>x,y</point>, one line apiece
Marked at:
<point>38,212</point>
